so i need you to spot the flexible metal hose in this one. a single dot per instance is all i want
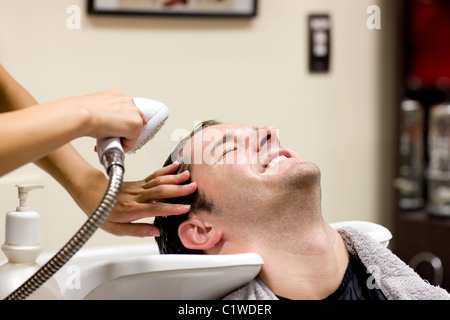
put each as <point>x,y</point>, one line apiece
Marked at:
<point>96,219</point>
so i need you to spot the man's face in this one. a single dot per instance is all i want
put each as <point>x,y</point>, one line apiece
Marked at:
<point>244,171</point>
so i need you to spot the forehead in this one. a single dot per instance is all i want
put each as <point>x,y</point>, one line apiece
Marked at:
<point>209,136</point>
<point>212,132</point>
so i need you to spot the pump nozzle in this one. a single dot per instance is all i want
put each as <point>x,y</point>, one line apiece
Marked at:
<point>23,190</point>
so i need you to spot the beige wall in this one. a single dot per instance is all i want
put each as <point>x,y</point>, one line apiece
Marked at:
<point>251,71</point>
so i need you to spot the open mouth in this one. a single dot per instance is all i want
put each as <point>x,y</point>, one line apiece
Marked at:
<point>273,163</point>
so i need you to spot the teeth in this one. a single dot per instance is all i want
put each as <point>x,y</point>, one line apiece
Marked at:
<point>275,161</point>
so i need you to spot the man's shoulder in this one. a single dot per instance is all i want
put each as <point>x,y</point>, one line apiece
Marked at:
<point>253,290</point>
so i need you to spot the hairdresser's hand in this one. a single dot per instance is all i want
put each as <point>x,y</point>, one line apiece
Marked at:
<point>140,199</point>
<point>110,114</point>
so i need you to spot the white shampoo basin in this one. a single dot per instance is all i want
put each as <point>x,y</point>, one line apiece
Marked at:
<point>139,272</point>
<point>110,274</point>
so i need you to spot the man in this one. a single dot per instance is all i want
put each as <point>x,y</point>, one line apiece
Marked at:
<point>255,196</point>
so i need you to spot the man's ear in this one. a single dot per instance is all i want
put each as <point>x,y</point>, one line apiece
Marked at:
<point>197,234</point>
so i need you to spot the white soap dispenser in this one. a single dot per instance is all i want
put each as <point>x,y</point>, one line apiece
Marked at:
<point>22,247</point>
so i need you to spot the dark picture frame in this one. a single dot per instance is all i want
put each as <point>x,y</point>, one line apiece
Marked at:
<point>193,8</point>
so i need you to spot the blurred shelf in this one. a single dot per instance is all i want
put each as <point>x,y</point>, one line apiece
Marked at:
<point>425,238</point>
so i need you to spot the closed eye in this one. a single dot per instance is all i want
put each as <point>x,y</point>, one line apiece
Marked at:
<point>228,150</point>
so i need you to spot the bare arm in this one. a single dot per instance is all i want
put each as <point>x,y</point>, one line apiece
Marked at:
<point>14,99</point>
<point>46,146</point>
<point>31,131</point>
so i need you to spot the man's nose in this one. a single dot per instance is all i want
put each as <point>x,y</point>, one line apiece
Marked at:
<point>267,135</point>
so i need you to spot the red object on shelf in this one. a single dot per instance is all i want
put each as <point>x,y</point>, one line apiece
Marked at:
<point>429,32</point>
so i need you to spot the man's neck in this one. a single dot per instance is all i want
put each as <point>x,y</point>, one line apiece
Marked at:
<point>311,266</point>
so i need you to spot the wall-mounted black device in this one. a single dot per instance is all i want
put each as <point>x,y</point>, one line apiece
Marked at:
<point>319,42</point>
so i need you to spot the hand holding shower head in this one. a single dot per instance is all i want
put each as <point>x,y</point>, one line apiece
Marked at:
<point>156,114</point>
<point>111,155</point>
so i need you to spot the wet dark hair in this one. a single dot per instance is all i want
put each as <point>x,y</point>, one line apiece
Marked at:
<point>168,241</point>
